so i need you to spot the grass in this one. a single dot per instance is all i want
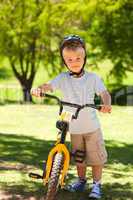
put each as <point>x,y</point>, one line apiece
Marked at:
<point>28,133</point>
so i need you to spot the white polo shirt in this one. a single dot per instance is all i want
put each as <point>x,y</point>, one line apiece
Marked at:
<point>80,91</point>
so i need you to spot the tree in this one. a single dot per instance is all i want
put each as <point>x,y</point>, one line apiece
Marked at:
<point>112,33</point>
<point>19,39</point>
<point>32,30</point>
<point>30,34</point>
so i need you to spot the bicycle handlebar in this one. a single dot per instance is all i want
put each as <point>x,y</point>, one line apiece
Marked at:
<point>61,103</point>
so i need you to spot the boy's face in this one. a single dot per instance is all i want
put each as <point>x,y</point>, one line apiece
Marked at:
<point>74,59</point>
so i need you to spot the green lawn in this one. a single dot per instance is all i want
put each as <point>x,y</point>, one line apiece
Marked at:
<point>27,133</point>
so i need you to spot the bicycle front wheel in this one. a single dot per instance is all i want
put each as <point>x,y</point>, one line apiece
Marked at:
<point>54,177</point>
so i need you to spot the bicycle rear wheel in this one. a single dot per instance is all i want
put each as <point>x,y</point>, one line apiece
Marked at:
<point>54,177</point>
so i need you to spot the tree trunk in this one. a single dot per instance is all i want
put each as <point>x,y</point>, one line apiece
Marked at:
<point>26,82</point>
<point>26,93</point>
<point>26,85</point>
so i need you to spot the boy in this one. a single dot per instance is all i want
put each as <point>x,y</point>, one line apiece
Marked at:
<point>79,86</point>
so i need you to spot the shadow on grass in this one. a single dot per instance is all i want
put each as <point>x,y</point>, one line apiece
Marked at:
<point>119,152</point>
<point>29,151</point>
<point>114,191</point>
<point>24,149</point>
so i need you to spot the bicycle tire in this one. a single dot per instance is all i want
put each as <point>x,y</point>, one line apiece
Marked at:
<point>54,177</point>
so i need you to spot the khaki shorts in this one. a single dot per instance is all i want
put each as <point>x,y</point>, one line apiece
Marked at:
<point>93,145</point>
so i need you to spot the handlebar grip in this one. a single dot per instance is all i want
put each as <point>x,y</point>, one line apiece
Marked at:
<point>42,94</point>
<point>36,176</point>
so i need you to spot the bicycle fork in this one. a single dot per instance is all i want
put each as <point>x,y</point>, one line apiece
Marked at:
<point>59,148</point>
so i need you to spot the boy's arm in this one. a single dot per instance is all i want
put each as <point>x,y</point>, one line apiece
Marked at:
<point>46,87</point>
<point>106,99</point>
<point>50,86</point>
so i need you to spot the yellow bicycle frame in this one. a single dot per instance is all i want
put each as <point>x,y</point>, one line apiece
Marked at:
<point>59,148</point>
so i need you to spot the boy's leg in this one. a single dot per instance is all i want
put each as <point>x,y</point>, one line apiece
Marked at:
<point>97,173</point>
<point>96,187</point>
<point>77,141</point>
<point>78,145</point>
<point>96,157</point>
<point>96,154</point>
<point>97,177</point>
<point>81,170</point>
<point>79,185</point>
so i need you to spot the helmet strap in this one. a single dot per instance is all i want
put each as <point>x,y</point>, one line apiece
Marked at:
<point>77,74</point>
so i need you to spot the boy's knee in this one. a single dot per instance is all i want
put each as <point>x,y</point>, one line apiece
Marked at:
<point>79,156</point>
<point>81,165</point>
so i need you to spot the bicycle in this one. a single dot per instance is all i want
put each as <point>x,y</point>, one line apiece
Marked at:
<point>58,160</point>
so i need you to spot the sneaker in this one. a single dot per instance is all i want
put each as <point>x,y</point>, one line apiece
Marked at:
<point>96,191</point>
<point>78,186</point>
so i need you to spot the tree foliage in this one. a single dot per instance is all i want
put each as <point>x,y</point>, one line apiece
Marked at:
<point>19,39</point>
<point>112,33</point>
<point>30,33</point>
<point>32,30</point>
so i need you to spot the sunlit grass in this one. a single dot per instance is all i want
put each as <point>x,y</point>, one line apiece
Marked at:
<point>27,134</point>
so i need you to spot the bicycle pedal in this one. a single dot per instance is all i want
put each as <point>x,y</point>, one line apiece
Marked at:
<point>35,176</point>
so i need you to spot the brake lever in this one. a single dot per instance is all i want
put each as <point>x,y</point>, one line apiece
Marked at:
<point>98,107</point>
<point>76,113</point>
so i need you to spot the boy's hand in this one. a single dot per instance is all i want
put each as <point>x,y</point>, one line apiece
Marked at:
<point>106,108</point>
<point>41,89</point>
<point>36,92</point>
